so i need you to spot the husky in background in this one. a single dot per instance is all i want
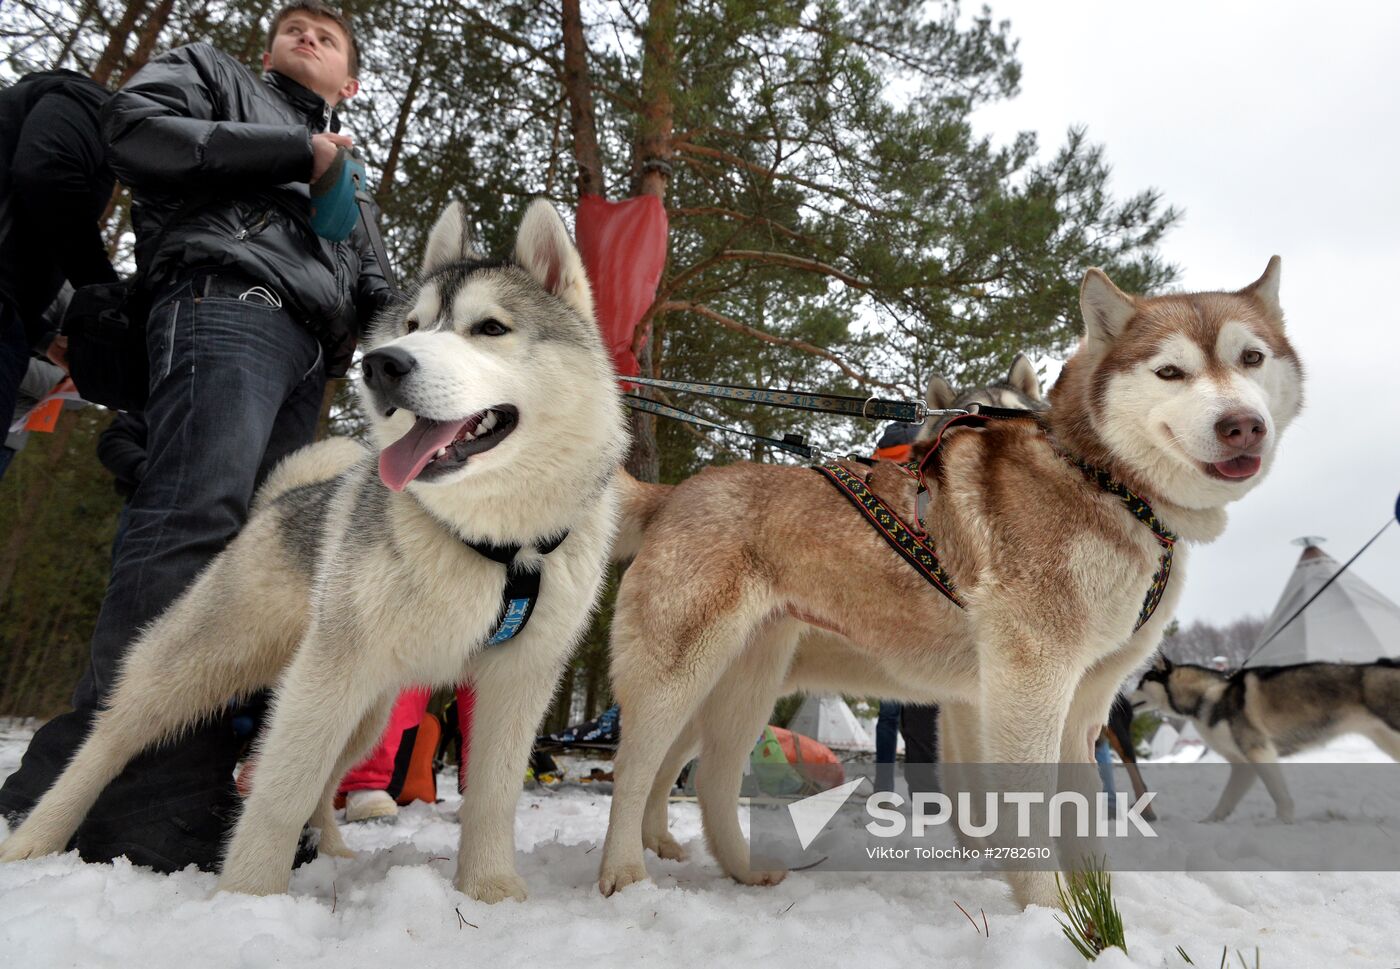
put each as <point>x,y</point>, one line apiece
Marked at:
<point>1020,390</point>
<point>1254,716</point>
<point>498,429</point>
<point>1179,398</point>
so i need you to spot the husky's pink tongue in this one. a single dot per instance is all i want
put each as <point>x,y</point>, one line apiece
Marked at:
<point>1245,466</point>
<point>401,462</point>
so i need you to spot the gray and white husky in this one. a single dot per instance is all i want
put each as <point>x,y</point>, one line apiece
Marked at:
<point>1252,717</point>
<point>499,428</point>
<point>1018,390</point>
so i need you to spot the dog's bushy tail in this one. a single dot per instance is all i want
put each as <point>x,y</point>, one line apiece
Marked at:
<point>318,462</point>
<point>640,503</point>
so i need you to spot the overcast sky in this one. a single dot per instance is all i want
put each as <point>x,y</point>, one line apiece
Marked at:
<point>1274,126</point>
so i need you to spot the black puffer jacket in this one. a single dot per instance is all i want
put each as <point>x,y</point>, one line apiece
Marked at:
<point>218,162</point>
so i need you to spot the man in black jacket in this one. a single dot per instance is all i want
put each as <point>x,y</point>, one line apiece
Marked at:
<point>251,312</point>
<point>54,184</point>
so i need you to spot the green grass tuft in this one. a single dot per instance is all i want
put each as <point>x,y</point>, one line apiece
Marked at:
<point>1092,922</point>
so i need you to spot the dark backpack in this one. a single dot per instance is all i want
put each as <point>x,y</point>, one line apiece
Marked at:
<point>106,330</point>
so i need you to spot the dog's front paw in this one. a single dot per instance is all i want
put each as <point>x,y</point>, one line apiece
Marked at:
<point>1285,815</point>
<point>332,844</point>
<point>493,888</point>
<point>763,878</point>
<point>1214,817</point>
<point>1034,888</point>
<point>616,878</point>
<point>260,886</point>
<point>667,847</point>
<point>24,844</point>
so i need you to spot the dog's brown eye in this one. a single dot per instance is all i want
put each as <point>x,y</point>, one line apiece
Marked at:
<point>1252,358</point>
<point>410,325</point>
<point>491,327</point>
<point>1169,372</point>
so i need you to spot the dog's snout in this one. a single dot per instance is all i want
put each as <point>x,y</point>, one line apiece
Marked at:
<point>386,367</point>
<point>1243,430</point>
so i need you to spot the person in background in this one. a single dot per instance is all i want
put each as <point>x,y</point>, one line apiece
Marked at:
<point>886,744</point>
<point>917,722</point>
<point>54,185</point>
<point>372,786</point>
<point>40,378</point>
<point>251,311</point>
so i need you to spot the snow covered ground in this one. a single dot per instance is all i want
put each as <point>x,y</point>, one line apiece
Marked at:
<point>395,906</point>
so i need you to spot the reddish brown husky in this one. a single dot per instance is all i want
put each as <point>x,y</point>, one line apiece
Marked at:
<point>1055,535</point>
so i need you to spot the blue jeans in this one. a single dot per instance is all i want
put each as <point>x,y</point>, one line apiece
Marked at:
<point>235,386</point>
<point>1104,757</point>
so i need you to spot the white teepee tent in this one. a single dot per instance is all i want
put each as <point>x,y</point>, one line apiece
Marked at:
<point>829,720</point>
<point>1349,623</point>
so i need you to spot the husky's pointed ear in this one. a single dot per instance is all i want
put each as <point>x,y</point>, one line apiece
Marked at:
<point>940,394</point>
<point>450,240</point>
<point>1265,288</point>
<point>1106,308</point>
<point>543,248</point>
<point>1023,377</point>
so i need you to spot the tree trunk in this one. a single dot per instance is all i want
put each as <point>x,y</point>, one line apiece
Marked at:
<point>558,717</point>
<point>653,150</point>
<point>323,420</point>
<point>115,51</point>
<point>579,91</point>
<point>590,693</point>
<point>652,160</point>
<point>146,40</point>
<point>77,32</point>
<point>391,161</point>
<point>644,460</point>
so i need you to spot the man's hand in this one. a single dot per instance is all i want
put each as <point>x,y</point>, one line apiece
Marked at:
<point>58,352</point>
<point>323,149</point>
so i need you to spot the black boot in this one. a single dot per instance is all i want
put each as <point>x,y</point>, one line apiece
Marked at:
<point>173,806</point>
<point>49,751</point>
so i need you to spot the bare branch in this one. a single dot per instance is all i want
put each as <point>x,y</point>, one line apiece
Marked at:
<point>757,334</point>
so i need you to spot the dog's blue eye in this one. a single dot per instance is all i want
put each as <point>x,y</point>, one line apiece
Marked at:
<point>1169,373</point>
<point>490,328</point>
<point>1252,358</point>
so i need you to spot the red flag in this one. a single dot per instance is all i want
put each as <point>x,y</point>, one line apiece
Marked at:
<point>623,245</point>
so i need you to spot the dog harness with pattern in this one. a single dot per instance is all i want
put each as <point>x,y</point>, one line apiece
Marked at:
<point>917,550</point>
<point>522,585</point>
<point>916,547</point>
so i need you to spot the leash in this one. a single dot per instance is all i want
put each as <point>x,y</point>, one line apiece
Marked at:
<point>790,443</point>
<point>1323,588</point>
<point>873,408</point>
